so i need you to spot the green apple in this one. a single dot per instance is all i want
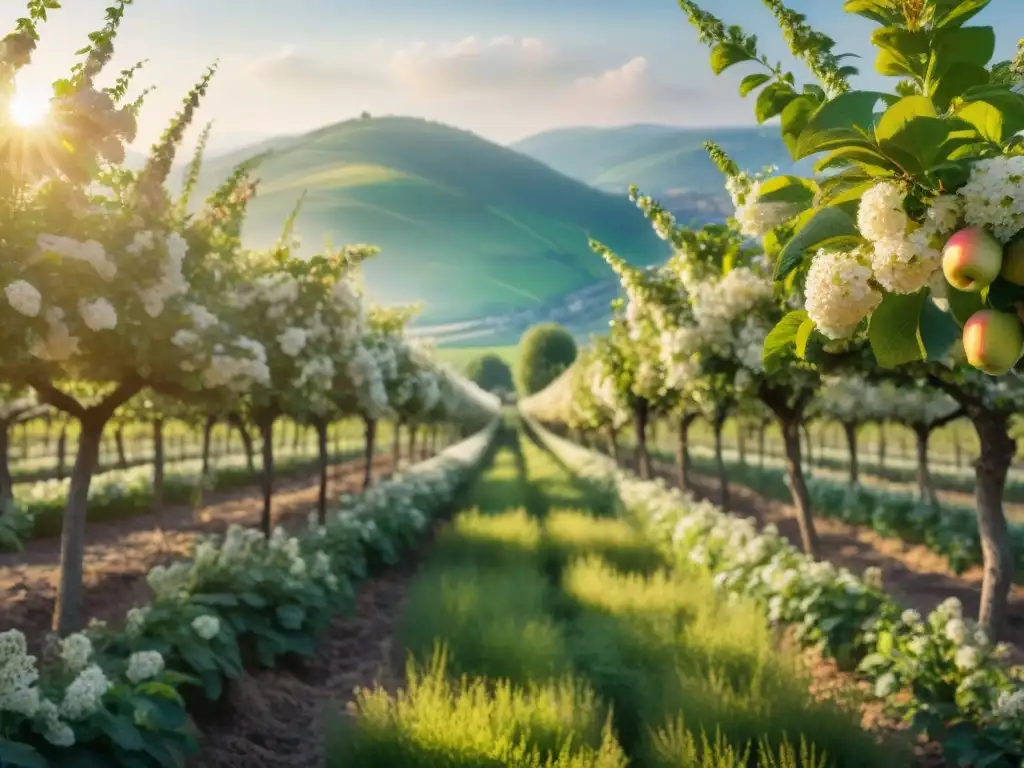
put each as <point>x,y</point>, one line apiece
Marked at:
<point>1013,261</point>
<point>993,341</point>
<point>972,259</point>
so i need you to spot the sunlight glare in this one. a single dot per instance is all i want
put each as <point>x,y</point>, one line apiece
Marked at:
<point>28,109</point>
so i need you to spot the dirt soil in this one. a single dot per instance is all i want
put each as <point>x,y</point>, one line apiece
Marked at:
<point>280,719</point>
<point>119,553</point>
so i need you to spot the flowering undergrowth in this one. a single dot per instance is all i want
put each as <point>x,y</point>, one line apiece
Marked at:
<point>114,698</point>
<point>941,672</point>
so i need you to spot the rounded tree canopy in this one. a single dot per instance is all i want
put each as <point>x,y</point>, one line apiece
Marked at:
<point>490,372</point>
<point>544,352</point>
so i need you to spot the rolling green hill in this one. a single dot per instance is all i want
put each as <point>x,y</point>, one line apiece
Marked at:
<point>664,161</point>
<point>468,227</point>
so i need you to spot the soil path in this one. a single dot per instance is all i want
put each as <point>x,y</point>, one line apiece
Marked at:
<point>119,553</point>
<point>279,719</point>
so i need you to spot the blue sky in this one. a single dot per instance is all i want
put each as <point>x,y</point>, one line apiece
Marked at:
<point>502,68</point>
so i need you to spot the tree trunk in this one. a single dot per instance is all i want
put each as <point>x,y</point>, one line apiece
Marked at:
<point>25,440</point>
<point>47,431</point>
<point>851,444</point>
<point>741,442</point>
<point>643,458</point>
<point>924,478</point>
<point>371,435</point>
<point>760,444</point>
<point>158,464</point>
<point>207,437</point>
<point>243,434</point>
<point>798,485</point>
<point>296,437</point>
<point>62,452</point>
<point>396,446</point>
<point>957,450</point>
<point>266,427</point>
<point>683,451</point>
<point>997,451</point>
<point>881,444</point>
<point>612,437</point>
<point>413,434</point>
<point>6,479</point>
<point>723,478</point>
<point>67,612</point>
<point>321,504</point>
<point>122,456</point>
<point>810,448</point>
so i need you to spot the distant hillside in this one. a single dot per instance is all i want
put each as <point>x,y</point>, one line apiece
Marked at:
<point>471,228</point>
<point>664,161</point>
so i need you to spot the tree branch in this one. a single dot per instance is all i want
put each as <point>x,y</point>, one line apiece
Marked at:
<point>62,401</point>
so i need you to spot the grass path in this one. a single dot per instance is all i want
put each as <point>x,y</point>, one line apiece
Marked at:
<point>544,631</point>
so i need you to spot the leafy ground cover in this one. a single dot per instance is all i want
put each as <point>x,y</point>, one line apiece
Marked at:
<point>546,631</point>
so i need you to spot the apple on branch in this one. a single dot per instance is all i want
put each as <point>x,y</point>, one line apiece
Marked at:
<point>993,341</point>
<point>972,259</point>
<point>1013,261</point>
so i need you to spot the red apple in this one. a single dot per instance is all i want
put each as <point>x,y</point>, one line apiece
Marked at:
<point>993,341</point>
<point>1013,261</point>
<point>972,259</point>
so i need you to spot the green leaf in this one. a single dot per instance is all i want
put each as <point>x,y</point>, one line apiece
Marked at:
<point>956,82</point>
<point>18,755</point>
<point>291,616</point>
<point>963,304</point>
<point>862,155</point>
<point>986,119</point>
<point>911,126</point>
<point>1009,103</point>
<point>848,116</point>
<point>803,335</point>
<point>885,643</point>
<point>881,11</point>
<point>781,338</point>
<point>962,45</point>
<point>939,331</point>
<point>751,82</point>
<point>1004,295</point>
<point>902,51</point>
<point>772,100</point>
<point>823,226</point>
<point>894,329</point>
<point>122,731</point>
<point>724,55</point>
<point>794,119</point>
<point>787,189</point>
<point>955,12</point>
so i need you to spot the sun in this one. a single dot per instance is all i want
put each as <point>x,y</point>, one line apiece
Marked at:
<point>27,109</point>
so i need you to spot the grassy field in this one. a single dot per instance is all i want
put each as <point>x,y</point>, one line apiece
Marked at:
<point>464,225</point>
<point>544,632</point>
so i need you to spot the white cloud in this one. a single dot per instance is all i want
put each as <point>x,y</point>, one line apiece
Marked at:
<point>626,82</point>
<point>472,65</point>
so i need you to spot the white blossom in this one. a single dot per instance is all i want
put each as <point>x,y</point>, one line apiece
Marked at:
<point>24,298</point>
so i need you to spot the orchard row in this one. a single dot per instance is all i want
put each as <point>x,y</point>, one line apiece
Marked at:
<point>123,302</point>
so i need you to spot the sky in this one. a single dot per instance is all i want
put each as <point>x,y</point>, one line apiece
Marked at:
<point>505,69</point>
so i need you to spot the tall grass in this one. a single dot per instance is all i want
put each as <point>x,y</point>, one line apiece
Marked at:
<point>544,636</point>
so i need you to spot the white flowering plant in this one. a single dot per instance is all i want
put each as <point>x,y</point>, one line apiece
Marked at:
<point>941,672</point>
<point>115,695</point>
<point>89,708</point>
